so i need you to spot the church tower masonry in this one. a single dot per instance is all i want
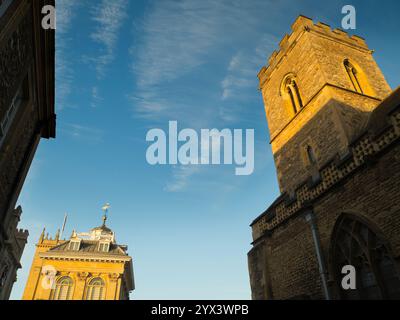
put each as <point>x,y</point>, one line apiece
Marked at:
<point>335,135</point>
<point>319,90</point>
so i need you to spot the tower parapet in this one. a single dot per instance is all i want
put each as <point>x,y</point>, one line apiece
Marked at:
<point>302,25</point>
<point>318,90</point>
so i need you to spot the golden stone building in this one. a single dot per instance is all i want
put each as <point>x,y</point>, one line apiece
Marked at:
<point>26,115</point>
<point>335,131</point>
<point>88,266</point>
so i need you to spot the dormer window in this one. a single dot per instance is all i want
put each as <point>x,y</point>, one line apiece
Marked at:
<point>74,245</point>
<point>104,246</point>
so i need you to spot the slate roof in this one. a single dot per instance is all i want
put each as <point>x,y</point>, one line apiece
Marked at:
<point>91,246</point>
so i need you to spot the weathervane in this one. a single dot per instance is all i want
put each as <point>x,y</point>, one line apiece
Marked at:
<point>105,209</point>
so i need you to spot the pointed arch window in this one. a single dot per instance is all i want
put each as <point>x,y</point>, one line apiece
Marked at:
<point>354,243</point>
<point>312,159</point>
<point>292,93</point>
<point>63,289</point>
<point>95,289</point>
<point>354,76</point>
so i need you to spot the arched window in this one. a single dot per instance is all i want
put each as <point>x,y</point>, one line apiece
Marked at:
<point>354,243</point>
<point>63,289</point>
<point>311,155</point>
<point>354,76</point>
<point>292,94</point>
<point>95,289</point>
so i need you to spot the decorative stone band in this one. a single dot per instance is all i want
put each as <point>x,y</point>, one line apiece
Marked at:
<point>82,276</point>
<point>114,277</point>
<point>84,257</point>
<point>383,132</point>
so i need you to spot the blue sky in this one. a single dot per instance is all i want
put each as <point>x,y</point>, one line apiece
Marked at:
<point>124,67</point>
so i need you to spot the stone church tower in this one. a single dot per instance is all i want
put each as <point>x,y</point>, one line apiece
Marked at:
<point>334,129</point>
<point>88,266</point>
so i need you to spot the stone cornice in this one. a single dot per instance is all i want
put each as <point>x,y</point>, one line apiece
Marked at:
<point>83,257</point>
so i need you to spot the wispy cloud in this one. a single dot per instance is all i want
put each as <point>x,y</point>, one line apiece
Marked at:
<point>241,81</point>
<point>64,70</point>
<point>109,17</point>
<point>82,133</point>
<point>244,67</point>
<point>177,39</point>
<point>96,97</point>
<point>180,178</point>
<point>182,174</point>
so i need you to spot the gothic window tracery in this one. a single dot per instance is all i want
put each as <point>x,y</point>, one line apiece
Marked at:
<point>356,244</point>
<point>354,76</point>
<point>292,94</point>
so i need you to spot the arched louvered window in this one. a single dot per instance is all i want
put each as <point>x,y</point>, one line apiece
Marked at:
<point>354,76</point>
<point>63,289</point>
<point>312,159</point>
<point>291,93</point>
<point>95,289</point>
<point>354,243</point>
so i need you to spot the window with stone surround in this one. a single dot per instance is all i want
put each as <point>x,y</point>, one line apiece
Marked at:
<point>354,243</point>
<point>312,159</point>
<point>291,94</point>
<point>63,289</point>
<point>95,289</point>
<point>358,78</point>
<point>353,74</point>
